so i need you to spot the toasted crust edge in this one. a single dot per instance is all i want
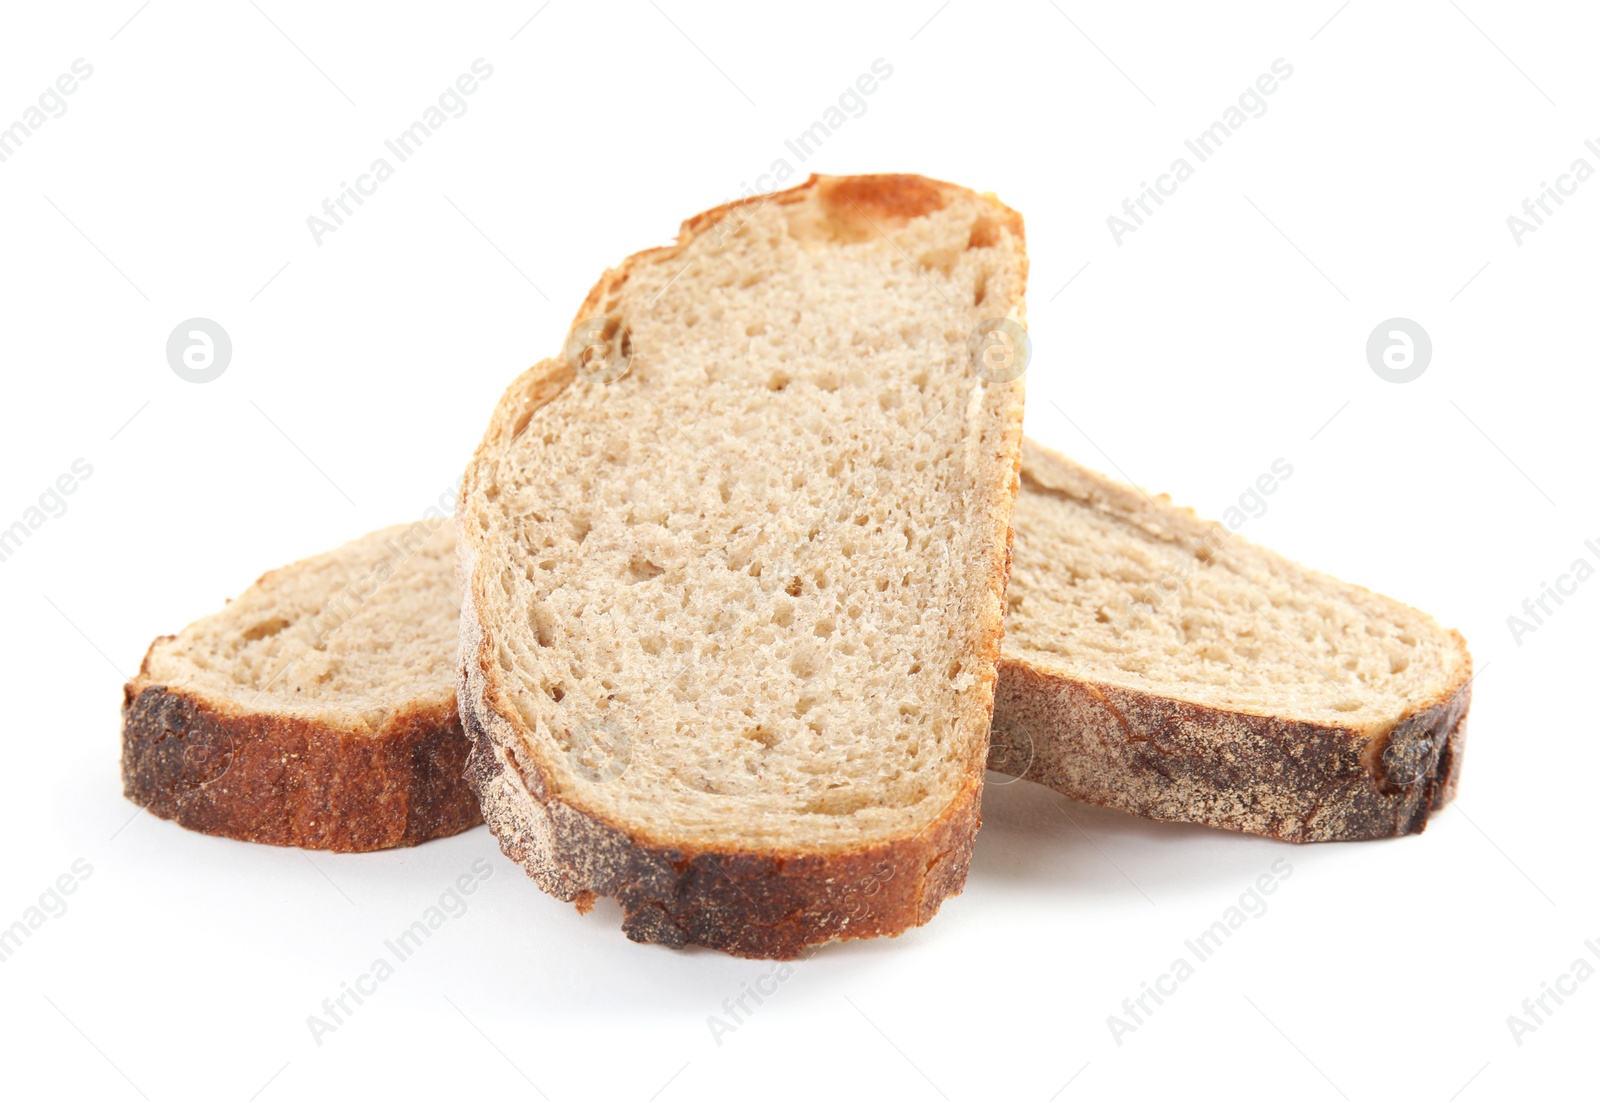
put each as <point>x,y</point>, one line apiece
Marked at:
<point>264,777</point>
<point>757,903</point>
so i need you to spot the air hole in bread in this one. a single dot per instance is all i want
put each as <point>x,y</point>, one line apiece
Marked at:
<point>642,570</point>
<point>805,662</point>
<point>543,631</point>
<point>985,232</point>
<point>262,629</point>
<point>761,735</point>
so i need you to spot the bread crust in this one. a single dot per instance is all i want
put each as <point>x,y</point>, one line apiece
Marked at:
<point>1174,760</point>
<point>1169,759</point>
<point>266,777</point>
<point>757,903</point>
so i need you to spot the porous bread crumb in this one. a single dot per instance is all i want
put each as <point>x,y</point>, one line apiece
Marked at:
<point>748,593</point>
<point>1114,587</point>
<point>349,638</point>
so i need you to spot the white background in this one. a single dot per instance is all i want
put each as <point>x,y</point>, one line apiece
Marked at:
<point>1222,335</point>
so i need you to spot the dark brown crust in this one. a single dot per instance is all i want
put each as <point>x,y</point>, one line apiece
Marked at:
<point>1175,760</point>
<point>267,778</point>
<point>749,903</point>
<point>1169,759</point>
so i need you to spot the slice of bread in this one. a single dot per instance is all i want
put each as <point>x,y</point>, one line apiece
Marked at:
<point>1158,664</point>
<point>315,710</point>
<point>733,570</point>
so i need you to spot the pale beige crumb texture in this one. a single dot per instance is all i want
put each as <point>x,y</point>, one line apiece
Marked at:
<point>350,638</point>
<point>758,577</point>
<point>1112,586</point>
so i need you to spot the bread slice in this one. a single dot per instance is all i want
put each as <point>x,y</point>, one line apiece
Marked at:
<point>1158,664</point>
<point>315,710</point>
<point>733,570</point>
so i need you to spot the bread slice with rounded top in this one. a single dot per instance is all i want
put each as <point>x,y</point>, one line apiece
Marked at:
<point>317,709</point>
<point>733,570</point>
<point>1156,663</point>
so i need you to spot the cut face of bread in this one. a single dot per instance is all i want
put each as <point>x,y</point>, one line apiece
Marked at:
<point>1156,663</point>
<point>317,709</point>
<point>733,569</point>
